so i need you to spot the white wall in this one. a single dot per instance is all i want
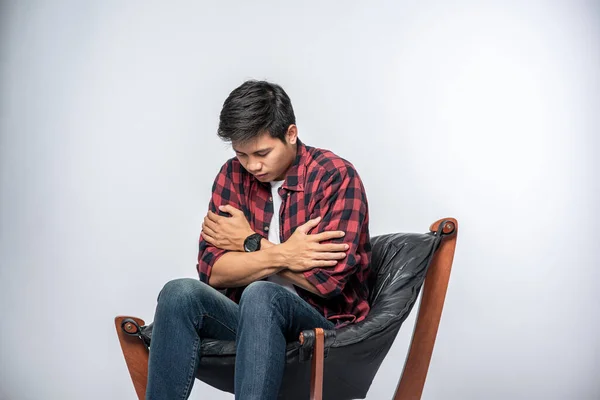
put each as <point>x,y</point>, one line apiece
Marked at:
<point>489,113</point>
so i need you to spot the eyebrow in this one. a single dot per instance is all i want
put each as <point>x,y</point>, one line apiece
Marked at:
<point>256,152</point>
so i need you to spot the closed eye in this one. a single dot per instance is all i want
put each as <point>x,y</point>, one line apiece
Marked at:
<point>260,153</point>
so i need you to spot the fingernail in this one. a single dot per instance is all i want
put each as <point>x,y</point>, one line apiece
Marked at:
<point>346,246</point>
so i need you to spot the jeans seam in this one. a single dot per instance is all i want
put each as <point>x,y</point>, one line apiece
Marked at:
<point>277,295</point>
<point>273,299</point>
<point>191,376</point>
<point>280,294</point>
<point>220,323</point>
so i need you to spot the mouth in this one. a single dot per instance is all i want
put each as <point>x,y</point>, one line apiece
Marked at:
<point>261,176</point>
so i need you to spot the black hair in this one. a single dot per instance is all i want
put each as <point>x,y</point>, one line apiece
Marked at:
<point>254,108</point>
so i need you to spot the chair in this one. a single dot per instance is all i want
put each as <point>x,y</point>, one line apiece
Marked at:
<point>341,364</point>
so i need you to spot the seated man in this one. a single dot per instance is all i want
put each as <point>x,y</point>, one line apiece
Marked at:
<point>286,235</point>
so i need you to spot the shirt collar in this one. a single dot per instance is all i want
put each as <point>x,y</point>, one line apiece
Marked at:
<point>294,179</point>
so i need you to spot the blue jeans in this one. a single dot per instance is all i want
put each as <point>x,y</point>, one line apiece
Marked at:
<point>267,317</point>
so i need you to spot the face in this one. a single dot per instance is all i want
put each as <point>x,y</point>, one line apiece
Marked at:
<point>268,158</point>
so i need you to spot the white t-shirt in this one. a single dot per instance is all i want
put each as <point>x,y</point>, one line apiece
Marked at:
<point>274,233</point>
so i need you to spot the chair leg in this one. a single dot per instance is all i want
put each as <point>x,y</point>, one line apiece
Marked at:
<point>135,353</point>
<point>316,373</point>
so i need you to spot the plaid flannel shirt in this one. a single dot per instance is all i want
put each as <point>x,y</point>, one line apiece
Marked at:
<point>319,183</point>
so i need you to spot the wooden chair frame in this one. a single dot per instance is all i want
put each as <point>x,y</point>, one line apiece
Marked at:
<point>412,380</point>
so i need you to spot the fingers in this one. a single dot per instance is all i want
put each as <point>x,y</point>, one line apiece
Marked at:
<point>209,231</point>
<point>314,264</point>
<point>325,263</point>
<point>320,237</point>
<point>209,223</point>
<point>213,217</point>
<point>231,210</point>
<point>305,228</point>
<point>208,238</point>
<point>332,247</point>
<point>329,256</point>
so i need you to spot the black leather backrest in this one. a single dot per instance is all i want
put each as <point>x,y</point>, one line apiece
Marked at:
<point>399,263</point>
<point>398,260</point>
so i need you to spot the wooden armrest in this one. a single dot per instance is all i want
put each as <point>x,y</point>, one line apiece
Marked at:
<point>134,351</point>
<point>316,375</point>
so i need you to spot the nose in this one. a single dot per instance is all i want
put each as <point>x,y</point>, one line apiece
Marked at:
<point>254,167</point>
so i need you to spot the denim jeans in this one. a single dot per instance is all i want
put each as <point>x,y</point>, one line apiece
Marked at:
<point>267,317</point>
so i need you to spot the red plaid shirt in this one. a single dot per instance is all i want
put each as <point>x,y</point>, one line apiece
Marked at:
<point>319,183</point>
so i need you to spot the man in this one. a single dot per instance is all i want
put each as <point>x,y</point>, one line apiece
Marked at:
<point>286,235</point>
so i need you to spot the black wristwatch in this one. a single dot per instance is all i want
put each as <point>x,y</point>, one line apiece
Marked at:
<point>252,243</point>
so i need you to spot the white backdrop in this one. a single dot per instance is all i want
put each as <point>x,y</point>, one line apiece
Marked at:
<point>488,113</point>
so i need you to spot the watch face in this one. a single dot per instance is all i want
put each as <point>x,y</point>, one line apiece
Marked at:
<point>252,243</point>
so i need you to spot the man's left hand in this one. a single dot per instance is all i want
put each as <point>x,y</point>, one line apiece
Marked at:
<point>227,233</point>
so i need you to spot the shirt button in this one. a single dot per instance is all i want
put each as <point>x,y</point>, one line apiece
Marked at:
<point>266,228</point>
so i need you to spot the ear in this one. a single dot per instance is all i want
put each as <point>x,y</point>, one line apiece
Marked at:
<point>292,134</point>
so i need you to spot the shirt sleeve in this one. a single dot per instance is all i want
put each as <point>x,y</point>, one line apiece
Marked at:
<point>223,192</point>
<point>342,205</point>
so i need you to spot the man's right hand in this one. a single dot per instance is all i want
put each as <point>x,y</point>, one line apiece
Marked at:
<point>304,252</point>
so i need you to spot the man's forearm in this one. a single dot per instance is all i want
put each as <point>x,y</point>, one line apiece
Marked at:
<point>297,278</point>
<point>265,244</point>
<point>236,269</point>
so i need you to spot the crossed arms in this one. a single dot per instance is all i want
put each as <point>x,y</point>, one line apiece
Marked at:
<point>301,252</point>
<point>317,262</point>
